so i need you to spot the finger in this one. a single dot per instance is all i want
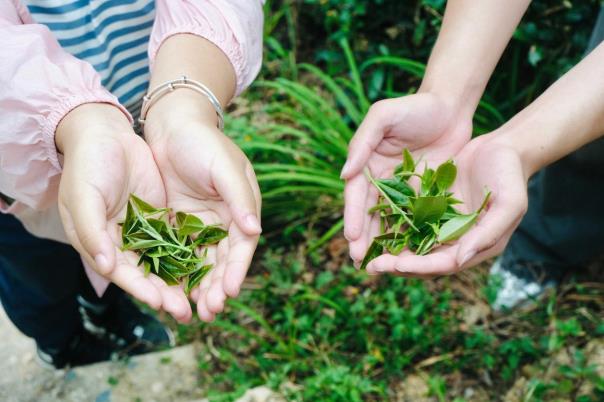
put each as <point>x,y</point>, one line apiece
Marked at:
<point>133,281</point>
<point>216,296</point>
<point>439,262</point>
<point>202,308</point>
<point>491,252</point>
<point>373,229</point>
<point>238,193</point>
<point>355,211</point>
<point>367,137</point>
<point>253,180</point>
<point>358,247</point>
<point>241,251</point>
<point>194,294</point>
<point>174,300</point>
<point>503,213</point>
<point>87,223</point>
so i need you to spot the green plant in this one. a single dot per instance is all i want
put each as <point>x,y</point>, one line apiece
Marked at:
<point>318,330</point>
<point>169,251</point>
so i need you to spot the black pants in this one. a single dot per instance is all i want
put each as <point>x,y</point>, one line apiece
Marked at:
<point>39,283</point>
<point>564,225</point>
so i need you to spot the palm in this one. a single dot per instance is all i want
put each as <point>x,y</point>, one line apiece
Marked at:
<point>421,123</point>
<point>482,166</point>
<point>97,181</point>
<point>192,164</point>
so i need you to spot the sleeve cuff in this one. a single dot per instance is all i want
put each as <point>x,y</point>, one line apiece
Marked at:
<point>67,105</point>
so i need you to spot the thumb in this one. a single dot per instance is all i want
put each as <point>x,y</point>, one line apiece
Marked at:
<point>501,217</point>
<point>238,193</point>
<point>85,220</point>
<point>369,134</point>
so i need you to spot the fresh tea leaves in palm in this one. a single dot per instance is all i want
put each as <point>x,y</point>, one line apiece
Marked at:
<point>417,219</point>
<point>169,250</point>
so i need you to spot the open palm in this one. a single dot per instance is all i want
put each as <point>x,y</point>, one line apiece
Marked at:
<point>207,175</point>
<point>483,164</point>
<point>100,172</point>
<point>424,123</point>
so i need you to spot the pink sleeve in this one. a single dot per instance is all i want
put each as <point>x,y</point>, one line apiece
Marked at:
<point>235,26</point>
<point>39,84</point>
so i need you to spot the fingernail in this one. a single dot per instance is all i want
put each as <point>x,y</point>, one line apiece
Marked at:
<point>101,261</point>
<point>253,223</point>
<point>345,170</point>
<point>467,257</point>
<point>376,268</point>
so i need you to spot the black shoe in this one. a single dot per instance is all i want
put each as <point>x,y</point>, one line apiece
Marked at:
<point>84,348</point>
<point>123,323</point>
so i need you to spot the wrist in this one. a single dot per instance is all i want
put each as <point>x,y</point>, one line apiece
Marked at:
<point>461,99</point>
<point>176,108</point>
<point>514,138</point>
<point>90,120</point>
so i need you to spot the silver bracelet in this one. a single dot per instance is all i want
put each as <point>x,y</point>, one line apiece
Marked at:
<point>184,82</point>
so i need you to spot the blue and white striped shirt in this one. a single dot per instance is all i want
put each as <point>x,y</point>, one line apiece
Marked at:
<point>112,36</point>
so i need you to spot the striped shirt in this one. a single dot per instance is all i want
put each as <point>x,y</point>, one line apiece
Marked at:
<point>112,36</point>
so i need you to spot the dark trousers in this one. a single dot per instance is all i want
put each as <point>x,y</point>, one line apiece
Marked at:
<point>564,225</point>
<point>39,283</point>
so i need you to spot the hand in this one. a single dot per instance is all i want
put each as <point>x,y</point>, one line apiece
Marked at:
<point>427,124</point>
<point>487,162</point>
<point>104,162</point>
<point>206,174</point>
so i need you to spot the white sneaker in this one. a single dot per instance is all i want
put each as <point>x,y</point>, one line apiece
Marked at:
<point>520,283</point>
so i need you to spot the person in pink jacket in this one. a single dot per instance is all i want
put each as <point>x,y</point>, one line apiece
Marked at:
<point>73,74</point>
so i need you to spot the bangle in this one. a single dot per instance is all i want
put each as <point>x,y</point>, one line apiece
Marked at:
<point>152,96</point>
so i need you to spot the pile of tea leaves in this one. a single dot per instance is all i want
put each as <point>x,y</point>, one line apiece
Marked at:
<point>176,253</point>
<point>418,220</point>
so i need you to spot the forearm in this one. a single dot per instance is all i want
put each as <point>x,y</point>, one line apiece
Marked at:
<point>200,60</point>
<point>471,41</point>
<point>567,116</point>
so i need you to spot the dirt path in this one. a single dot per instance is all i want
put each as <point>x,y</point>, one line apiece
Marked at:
<point>157,377</point>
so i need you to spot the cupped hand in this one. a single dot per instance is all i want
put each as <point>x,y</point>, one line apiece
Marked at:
<point>485,164</point>
<point>105,162</point>
<point>429,125</point>
<point>207,175</point>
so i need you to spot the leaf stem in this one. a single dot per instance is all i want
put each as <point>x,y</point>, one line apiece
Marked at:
<point>387,198</point>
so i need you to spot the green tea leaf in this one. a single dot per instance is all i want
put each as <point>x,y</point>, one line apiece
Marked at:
<point>408,162</point>
<point>454,228</point>
<point>196,277</point>
<point>427,181</point>
<point>130,222</point>
<point>146,267</point>
<point>374,251</point>
<point>143,207</point>
<point>398,190</point>
<point>445,176</point>
<point>211,235</point>
<point>378,208</point>
<point>428,209</point>
<point>167,277</point>
<point>155,264</point>
<point>191,225</point>
<point>168,250</point>
<point>143,244</point>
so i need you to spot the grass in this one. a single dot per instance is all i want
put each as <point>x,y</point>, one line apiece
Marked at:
<point>314,328</point>
<point>317,329</point>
